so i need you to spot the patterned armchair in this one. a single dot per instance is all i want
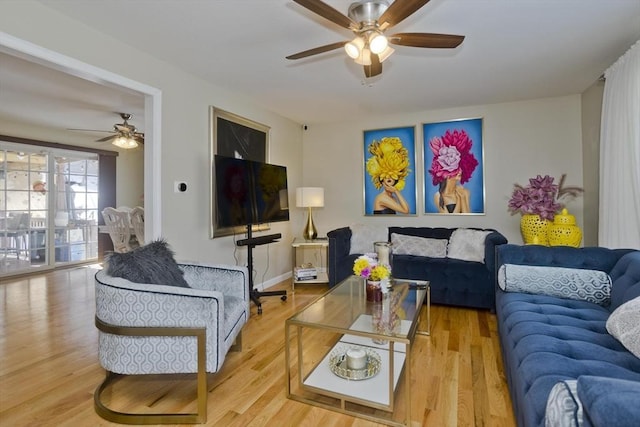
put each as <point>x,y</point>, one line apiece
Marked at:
<point>162,329</point>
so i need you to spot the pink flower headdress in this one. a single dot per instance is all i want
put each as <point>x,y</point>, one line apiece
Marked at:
<point>452,156</point>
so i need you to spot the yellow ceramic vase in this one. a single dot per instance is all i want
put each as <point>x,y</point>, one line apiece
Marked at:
<point>534,229</point>
<point>564,231</point>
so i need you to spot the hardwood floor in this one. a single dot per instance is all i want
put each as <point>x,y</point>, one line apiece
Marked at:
<point>49,367</point>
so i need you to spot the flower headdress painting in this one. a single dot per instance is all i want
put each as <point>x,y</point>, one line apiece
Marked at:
<point>454,178</point>
<point>389,180</point>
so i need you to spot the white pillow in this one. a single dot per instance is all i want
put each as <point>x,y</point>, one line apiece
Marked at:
<point>467,245</point>
<point>403,244</point>
<point>364,236</point>
<point>624,325</point>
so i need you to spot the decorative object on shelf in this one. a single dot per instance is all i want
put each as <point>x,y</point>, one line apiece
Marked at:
<point>356,358</point>
<point>564,231</point>
<point>339,362</point>
<point>534,229</point>
<point>383,251</point>
<point>384,316</point>
<point>376,275</point>
<point>543,199</point>
<point>310,197</point>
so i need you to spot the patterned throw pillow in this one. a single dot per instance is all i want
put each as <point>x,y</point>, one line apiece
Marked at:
<point>563,406</point>
<point>571,283</point>
<point>364,236</point>
<point>624,325</point>
<point>403,244</point>
<point>152,263</point>
<point>467,245</point>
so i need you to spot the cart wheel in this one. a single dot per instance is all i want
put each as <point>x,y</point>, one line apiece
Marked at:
<point>283,297</point>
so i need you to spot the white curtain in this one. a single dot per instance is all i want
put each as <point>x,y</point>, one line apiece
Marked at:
<point>619,225</point>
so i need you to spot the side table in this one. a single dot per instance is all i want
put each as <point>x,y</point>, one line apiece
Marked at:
<point>322,244</point>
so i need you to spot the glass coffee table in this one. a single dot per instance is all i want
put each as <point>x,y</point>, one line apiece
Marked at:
<point>349,355</point>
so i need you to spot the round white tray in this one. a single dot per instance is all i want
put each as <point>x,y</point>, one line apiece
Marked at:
<point>338,363</point>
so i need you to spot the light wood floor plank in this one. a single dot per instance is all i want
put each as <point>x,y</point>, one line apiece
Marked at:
<point>49,366</point>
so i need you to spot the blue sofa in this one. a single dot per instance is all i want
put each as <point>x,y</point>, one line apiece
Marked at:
<point>453,281</point>
<point>548,339</point>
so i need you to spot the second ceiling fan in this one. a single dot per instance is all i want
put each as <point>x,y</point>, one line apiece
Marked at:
<point>369,20</point>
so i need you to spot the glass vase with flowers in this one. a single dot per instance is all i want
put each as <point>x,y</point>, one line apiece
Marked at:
<point>376,274</point>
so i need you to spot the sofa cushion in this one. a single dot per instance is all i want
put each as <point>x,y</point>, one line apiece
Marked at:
<point>467,245</point>
<point>610,401</point>
<point>563,405</point>
<point>547,339</point>
<point>364,236</point>
<point>624,324</point>
<point>152,263</point>
<point>419,246</point>
<point>572,283</point>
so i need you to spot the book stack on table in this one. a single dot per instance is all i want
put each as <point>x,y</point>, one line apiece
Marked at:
<point>305,273</point>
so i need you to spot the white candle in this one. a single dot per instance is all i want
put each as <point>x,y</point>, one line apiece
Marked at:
<point>356,358</point>
<point>383,251</point>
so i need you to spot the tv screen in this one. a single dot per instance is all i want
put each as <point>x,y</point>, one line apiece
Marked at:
<point>249,192</point>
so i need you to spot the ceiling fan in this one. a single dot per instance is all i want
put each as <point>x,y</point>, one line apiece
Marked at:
<point>124,135</point>
<point>369,20</point>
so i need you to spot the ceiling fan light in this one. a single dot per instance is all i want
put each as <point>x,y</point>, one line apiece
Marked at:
<point>124,142</point>
<point>386,53</point>
<point>354,47</point>
<point>364,58</point>
<point>378,43</point>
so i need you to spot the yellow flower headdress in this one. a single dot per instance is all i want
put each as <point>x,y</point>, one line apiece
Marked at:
<point>390,159</point>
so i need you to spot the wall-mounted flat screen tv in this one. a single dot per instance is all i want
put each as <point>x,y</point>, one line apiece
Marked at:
<point>249,192</point>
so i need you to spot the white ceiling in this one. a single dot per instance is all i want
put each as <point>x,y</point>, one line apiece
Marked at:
<point>514,50</point>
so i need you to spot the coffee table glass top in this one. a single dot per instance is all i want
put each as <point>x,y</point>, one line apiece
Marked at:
<point>342,305</point>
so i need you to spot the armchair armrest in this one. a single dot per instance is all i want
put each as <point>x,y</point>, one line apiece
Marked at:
<point>229,280</point>
<point>492,241</point>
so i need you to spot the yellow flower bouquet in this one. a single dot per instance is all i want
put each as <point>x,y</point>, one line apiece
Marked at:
<point>367,266</point>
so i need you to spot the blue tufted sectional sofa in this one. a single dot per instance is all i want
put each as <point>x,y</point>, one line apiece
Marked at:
<point>549,342</point>
<point>453,281</point>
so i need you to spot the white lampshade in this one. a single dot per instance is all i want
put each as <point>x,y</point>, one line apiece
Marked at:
<point>354,47</point>
<point>364,58</point>
<point>310,197</point>
<point>386,53</point>
<point>377,43</point>
<point>124,142</point>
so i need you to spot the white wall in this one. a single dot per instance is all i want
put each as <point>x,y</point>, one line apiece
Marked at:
<point>521,140</point>
<point>185,134</point>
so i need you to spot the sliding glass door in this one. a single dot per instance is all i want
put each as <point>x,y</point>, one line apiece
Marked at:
<point>48,207</point>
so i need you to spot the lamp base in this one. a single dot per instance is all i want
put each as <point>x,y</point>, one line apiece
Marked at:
<point>309,232</point>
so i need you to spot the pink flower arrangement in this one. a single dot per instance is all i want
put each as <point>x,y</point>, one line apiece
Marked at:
<point>452,156</point>
<point>541,197</point>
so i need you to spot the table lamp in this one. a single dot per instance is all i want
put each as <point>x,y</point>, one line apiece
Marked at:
<point>310,197</point>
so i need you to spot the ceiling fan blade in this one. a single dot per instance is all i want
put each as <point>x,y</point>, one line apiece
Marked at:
<point>107,138</point>
<point>139,137</point>
<point>91,130</point>
<point>317,50</point>
<point>321,8</point>
<point>435,41</point>
<point>399,10</point>
<point>375,68</point>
